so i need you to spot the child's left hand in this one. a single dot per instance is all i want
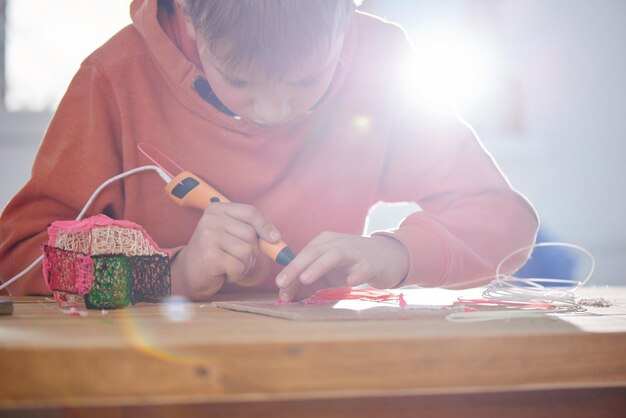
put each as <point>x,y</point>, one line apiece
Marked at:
<point>335,260</point>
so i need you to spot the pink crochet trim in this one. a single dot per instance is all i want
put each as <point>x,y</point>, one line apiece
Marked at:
<point>81,235</point>
<point>87,224</point>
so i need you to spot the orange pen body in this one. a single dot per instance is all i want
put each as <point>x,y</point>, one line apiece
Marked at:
<point>188,190</point>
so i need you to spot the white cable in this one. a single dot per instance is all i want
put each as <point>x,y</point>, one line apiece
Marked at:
<point>514,289</point>
<point>508,288</point>
<point>159,171</point>
<point>22,273</point>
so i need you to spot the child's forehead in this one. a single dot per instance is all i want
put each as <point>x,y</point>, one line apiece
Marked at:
<point>258,69</point>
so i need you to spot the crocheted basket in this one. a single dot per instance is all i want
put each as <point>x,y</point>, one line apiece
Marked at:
<point>104,262</point>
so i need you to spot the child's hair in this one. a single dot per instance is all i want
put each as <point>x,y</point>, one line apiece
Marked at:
<point>269,36</point>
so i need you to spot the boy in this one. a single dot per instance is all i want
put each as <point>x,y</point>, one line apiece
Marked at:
<point>294,109</point>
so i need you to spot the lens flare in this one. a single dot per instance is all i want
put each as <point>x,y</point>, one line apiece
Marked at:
<point>177,309</point>
<point>451,68</point>
<point>361,123</point>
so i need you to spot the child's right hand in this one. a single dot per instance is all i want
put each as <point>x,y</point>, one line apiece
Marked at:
<point>223,247</point>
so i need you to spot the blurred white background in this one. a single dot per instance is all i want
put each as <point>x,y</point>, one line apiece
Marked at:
<point>542,81</point>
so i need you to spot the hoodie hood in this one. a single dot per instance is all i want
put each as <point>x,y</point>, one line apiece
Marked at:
<point>175,54</point>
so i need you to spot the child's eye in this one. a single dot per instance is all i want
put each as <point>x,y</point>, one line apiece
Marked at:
<point>238,84</point>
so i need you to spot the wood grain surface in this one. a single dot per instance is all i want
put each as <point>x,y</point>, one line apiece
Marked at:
<point>141,360</point>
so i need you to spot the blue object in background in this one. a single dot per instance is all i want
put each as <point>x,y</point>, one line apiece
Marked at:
<point>549,262</point>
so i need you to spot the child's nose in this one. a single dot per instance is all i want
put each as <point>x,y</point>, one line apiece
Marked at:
<point>271,110</point>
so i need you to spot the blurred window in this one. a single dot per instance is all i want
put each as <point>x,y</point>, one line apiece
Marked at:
<point>47,40</point>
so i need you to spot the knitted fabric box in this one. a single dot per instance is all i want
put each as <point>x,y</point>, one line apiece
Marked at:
<point>105,262</point>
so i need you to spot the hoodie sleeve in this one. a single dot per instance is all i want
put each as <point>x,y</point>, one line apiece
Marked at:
<point>471,217</point>
<point>79,152</point>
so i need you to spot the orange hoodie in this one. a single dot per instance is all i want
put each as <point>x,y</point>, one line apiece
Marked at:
<point>362,144</point>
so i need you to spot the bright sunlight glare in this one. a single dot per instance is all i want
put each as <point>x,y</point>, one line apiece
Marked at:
<point>453,69</point>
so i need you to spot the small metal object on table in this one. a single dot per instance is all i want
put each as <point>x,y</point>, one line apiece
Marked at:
<point>6,306</point>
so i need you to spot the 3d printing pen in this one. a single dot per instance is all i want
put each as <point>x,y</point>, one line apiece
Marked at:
<point>188,190</point>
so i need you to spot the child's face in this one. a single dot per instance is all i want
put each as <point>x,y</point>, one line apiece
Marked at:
<point>270,103</point>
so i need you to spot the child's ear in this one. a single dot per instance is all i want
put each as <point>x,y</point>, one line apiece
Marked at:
<point>180,8</point>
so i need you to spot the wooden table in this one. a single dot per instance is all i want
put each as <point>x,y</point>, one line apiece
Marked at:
<point>137,362</point>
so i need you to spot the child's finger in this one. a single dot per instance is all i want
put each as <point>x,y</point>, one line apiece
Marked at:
<point>250,215</point>
<point>326,262</point>
<point>234,269</point>
<point>326,242</point>
<point>241,230</point>
<point>362,273</point>
<point>239,249</point>
<point>288,293</point>
<point>292,272</point>
<point>297,291</point>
